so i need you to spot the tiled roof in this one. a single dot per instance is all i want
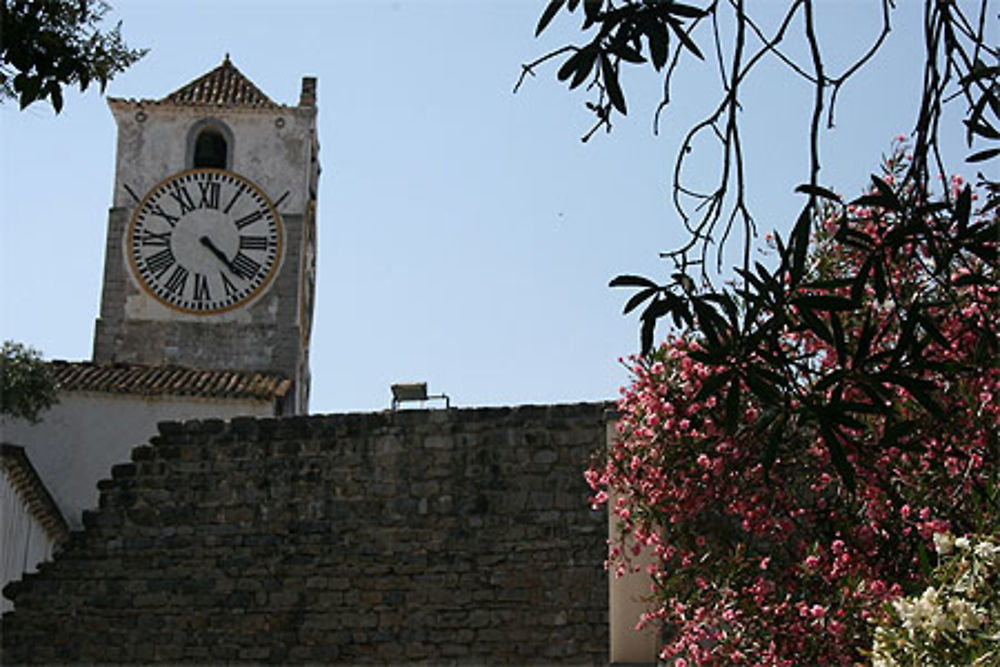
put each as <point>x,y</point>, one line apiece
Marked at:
<point>224,86</point>
<point>36,497</point>
<point>149,380</point>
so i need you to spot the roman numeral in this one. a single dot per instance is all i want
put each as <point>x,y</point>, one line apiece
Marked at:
<point>209,195</point>
<point>232,201</point>
<point>183,198</point>
<point>201,288</point>
<point>171,219</point>
<point>155,238</point>
<point>228,286</point>
<point>249,219</point>
<point>244,267</point>
<point>160,262</point>
<point>177,280</point>
<point>253,243</point>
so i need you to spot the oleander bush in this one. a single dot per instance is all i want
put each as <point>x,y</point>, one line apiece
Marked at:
<point>790,451</point>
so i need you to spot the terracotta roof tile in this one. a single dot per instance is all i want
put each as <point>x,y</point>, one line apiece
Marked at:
<point>224,86</point>
<point>149,380</point>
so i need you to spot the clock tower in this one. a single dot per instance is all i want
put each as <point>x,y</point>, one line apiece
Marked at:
<point>211,250</point>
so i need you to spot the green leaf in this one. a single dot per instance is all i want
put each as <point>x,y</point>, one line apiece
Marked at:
<point>774,438</point>
<point>708,357</point>
<point>864,342</point>
<point>894,432</point>
<point>772,284</point>
<point>815,325</point>
<point>837,455</point>
<point>881,286</point>
<point>861,279</point>
<point>628,280</point>
<point>550,11</point>
<point>611,85</point>
<point>638,298</point>
<point>761,386</point>
<point>659,42</point>
<point>982,128</point>
<point>578,66</point>
<point>982,156</point>
<point>824,302</point>
<point>799,244</point>
<point>55,92</point>
<point>970,279</point>
<point>878,199</point>
<point>733,406</point>
<point>709,321</point>
<point>710,385</point>
<point>963,208</point>
<point>727,304</point>
<point>818,191</point>
<point>931,327</point>
<point>685,38</point>
<point>684,10</point>
<point>879,408</point>
<point>840,414</point>
<point>30,88</point>
<point>921,390</point>
<point>886,191</point>
<point>657,309</point>
<point>591,12</point>
<point>839,341</point>
<point>627,53</point>
<point>751,279</point>
<point>646,334</point>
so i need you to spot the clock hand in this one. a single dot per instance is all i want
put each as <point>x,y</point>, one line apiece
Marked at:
<point>207,242</point>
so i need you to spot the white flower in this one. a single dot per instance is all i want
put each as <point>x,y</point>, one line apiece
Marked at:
<point>987,552</point>
<point>961,613</point>
<point>943,543</point>
<point>969,616</point>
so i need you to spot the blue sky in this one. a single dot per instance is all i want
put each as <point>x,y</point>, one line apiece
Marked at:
<point>467,236</point>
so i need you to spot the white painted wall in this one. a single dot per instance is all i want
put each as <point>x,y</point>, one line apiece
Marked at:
<point>25,542</point>
<point>271,147</point>
<point>86,433</point>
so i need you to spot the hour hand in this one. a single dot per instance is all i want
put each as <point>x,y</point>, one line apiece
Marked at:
<point>207,242</point>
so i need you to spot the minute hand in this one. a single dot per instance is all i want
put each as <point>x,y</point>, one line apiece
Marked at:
<point>207,242</point>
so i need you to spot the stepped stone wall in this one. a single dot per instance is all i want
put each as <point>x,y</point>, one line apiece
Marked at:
<point>442,537</point>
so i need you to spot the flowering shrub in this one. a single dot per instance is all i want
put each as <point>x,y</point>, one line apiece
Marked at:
<point>790,491</point>
<point>956,620</point>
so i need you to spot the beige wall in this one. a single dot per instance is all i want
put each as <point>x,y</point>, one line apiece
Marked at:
<point>85,434</point>
<point>627,601</point>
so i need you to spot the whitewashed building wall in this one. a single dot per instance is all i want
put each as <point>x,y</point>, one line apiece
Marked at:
<point>82,437</point>
<point>30,526</point>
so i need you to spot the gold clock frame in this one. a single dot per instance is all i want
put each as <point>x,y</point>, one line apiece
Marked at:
<point>247,299</point>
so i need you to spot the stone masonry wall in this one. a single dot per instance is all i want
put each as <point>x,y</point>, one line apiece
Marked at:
<point>442,537</point>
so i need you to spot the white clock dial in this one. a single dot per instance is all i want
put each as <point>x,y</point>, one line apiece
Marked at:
<point>204,241</point>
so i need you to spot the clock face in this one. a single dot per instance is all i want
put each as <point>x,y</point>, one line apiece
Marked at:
<point>204,241</point>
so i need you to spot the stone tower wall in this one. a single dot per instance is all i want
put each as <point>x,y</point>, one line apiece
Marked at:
<point>443,537</point>
<point>275,147</point>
